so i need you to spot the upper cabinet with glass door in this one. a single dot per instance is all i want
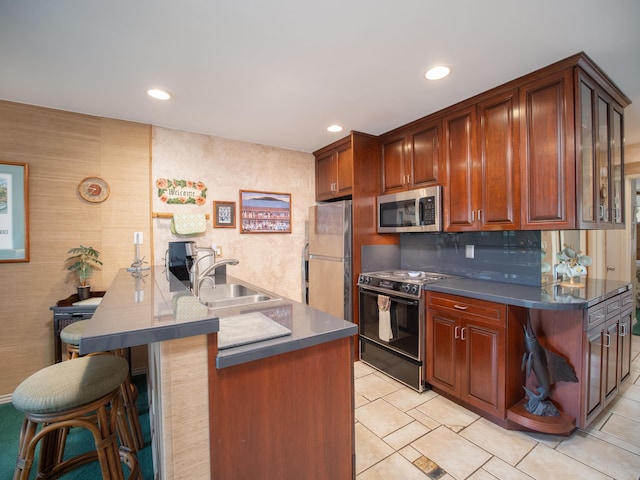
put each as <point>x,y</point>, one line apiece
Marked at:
<point>599,140</point>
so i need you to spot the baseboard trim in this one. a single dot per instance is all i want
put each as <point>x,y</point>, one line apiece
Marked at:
<point>5,398</point>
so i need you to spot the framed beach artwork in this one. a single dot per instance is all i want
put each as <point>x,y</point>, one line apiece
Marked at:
<point>14,212</point>
<point>265,212</point>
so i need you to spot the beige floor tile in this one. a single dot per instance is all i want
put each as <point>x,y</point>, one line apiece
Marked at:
<point>409,453</point>
<point>406,399</point>
<point>405,435</point>
<point>545,463</point>
<point>503,471</point>
<point>448,413</point>
<point>372,386</point>
<point>625,429</point>
<point>381,417</point>
<point>424,419</point>
<point>601,456</point>
<point>361,369</point>
<point>508,445</point>
<point>454,454</point>
<point>481,475</point>
<point>625,407</point>
<point>359,400</point>
<point>369,448</point>
<point>631,391</point>
<point>393,467</point>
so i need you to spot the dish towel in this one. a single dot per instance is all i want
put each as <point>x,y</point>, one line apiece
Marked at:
<point>384,318</point>
<point>189,224</point>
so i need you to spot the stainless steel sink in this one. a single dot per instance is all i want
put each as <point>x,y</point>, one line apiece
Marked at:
<point>231,295</point>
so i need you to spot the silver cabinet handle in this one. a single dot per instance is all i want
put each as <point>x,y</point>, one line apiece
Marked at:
<point>456,332</point>
<point>608,342</point>
<point>622,331</point>
<point>460,307</point>
<point>462,337</point>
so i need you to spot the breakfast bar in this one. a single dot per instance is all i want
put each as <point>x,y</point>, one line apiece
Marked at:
<point>224,407</point>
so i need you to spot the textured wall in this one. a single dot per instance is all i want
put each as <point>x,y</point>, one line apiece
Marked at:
<point>61,149</point>
<point>268,260</point>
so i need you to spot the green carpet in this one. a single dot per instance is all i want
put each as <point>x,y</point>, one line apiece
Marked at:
<point>78,441</point>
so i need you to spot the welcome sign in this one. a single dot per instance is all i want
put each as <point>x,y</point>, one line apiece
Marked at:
<point>181,192</point>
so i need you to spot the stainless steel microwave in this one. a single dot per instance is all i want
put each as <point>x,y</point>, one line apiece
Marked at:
<point>411,211</point>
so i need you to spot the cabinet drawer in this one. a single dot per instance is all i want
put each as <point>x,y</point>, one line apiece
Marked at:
<point>612,306</point>
<point>596,315</point>
<point>626,300</point>
<point>468,306</point>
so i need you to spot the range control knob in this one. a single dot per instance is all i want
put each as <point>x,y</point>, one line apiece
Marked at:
<point>363,279</point>
<point>406,287</point>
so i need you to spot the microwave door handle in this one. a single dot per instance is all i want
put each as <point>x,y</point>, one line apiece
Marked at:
<point>420,212</point>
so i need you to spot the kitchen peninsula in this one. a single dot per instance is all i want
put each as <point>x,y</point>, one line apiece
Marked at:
<point>281,407</point>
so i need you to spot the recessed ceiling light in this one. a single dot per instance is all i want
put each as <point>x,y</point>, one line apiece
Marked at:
<point>334,128</point>
<point>158,94</point>
<point>437,72</point>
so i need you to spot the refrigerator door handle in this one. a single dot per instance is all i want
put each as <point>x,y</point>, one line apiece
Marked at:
<point>330,259</point>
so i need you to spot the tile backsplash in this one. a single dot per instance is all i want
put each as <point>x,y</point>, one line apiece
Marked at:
<point>510,256</point>
<point>506,256</point>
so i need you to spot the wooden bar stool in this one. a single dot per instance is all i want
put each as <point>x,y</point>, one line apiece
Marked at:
<point>129,429</point>
<point>83,393</point>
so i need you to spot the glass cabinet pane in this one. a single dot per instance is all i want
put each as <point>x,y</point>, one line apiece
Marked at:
<point>617,174</point>
<point>587,161</point>
<point>603,159</point>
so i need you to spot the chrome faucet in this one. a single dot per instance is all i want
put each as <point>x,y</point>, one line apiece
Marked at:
<point>200,277</point>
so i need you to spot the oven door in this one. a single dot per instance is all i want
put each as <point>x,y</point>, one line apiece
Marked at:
<point>405,316</point>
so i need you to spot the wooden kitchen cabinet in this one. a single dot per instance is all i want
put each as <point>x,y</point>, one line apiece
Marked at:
<point>607,352</point>
<point>470,351</point>
<point>571,154</point>
<point>483,188</point>
<point>334,170</point>
<point>599,139</point>
<point>547,153</point>
<point>411,157</point>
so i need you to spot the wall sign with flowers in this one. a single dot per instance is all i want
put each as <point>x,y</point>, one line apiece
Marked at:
<point>181,192</point>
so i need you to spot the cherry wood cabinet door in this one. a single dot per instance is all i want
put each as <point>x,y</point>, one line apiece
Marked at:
<point>483,384</point>
<point>344,171</point>
<point>547,153</point>
<point>500,174</point>
<point>610,359</point>
<point>324,177</point>
<point>442,363</point>
<point>593,384</point>
<point>394,173</point>
<point>425,155</point>
<point>460,158</point>
<point>624,349</point>
<point>334,173</point>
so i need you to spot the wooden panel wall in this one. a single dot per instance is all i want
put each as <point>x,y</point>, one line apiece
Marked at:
<point>61,149</point>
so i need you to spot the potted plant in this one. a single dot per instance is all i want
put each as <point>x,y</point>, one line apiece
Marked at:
<point>82,263</point>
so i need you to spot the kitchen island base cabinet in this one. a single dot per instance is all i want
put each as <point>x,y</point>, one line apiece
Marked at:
<point>289,416</point>
<point>474,350</point>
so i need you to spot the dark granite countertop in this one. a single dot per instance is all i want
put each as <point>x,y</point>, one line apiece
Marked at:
<point>138,311</point>
<point>547,297</point>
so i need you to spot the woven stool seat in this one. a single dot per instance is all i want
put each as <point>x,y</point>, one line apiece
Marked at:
<point>70,384</point>
<point>72,333</point>
<point>80,393</point>
<point>128,429</point>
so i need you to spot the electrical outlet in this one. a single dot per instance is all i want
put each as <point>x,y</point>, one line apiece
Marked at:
<point>218,252</point>
<point>469,251</point>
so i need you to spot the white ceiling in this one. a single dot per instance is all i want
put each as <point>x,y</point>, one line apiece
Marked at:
<point>279,72</point>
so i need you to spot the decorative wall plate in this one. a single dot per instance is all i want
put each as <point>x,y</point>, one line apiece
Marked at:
<point>94,189</point>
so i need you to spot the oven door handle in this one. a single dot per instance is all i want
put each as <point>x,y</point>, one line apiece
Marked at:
<point>394,298</point>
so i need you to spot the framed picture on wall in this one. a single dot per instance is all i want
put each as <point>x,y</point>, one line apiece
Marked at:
<point>224,214</point>
<point>14,212</point>
<point>265,212</point>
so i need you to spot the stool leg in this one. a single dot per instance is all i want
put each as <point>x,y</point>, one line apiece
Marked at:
<point>135,440</point>
<point>25,456</point>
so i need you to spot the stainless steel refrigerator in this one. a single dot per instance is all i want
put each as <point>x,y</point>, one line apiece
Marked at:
<point>329,257</point>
